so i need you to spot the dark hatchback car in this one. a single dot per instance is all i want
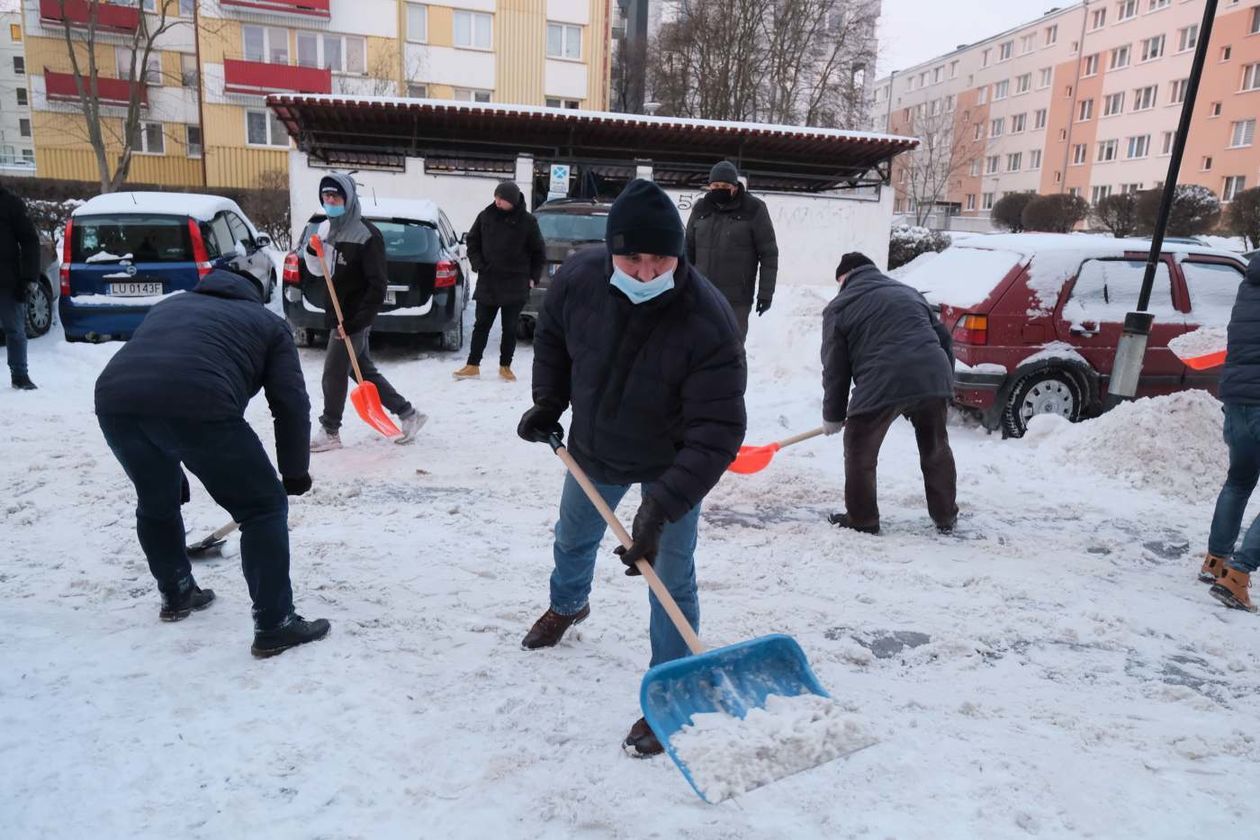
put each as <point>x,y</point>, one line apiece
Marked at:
<point>567,224</point>
<point>428,276</point>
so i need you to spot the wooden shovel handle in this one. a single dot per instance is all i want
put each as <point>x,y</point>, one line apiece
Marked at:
<point>649,574</point>
<point>332,294</point>
<point>803,436</point>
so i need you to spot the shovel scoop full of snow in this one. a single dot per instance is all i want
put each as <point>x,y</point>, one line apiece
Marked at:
<point>1201,349</point>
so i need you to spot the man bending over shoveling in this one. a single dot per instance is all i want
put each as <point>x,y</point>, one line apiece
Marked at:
<point>648,355</point>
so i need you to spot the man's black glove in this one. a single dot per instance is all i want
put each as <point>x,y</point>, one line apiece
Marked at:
<point>763,306</point>
<point>540,423</point>
<point>645,533</point>
<point>296,485</point>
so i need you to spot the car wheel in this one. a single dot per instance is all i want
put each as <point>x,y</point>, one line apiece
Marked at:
<point>525,328</point>
<point>39,309</point>
<point>1045,392</point>
<point>453,337</point>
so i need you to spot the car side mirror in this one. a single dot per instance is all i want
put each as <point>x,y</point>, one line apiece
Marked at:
<point>263,241</point>
<point>463,238</point>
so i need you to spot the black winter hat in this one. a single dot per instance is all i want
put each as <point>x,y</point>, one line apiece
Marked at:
<point>644,220</point>
<point>508,191</point>
<point>326,184</point>
<point>851,261</point>
<point>725,172</point>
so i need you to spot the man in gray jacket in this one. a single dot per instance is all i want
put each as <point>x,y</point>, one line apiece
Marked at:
<point>729,235</point>
<point>883,338</point>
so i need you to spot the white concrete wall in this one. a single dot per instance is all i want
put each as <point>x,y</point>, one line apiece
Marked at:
<point>565,79</point>
<point>569,11</point>
<point>450,66</point>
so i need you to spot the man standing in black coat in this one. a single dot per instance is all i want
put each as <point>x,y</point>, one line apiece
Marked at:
<point>729,235</point>
<point>647,354</point>
<point>882,337</point>
<point>19,267</point>
<point>505,248</point>
<point>176,393</point>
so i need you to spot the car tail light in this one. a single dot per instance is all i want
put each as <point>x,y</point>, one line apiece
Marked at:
<point>200,256</point>
<point>446,276</point>
<point>65,257</point>
<point>972,329</point>
<point>291,276</point>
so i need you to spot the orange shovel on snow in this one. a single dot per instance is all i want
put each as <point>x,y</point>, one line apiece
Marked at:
<point>365,398</point>
<point>753,459</point>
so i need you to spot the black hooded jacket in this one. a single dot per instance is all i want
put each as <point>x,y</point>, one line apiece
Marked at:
<point>506,250</point>
<point>19,247</point>
<point>728,240</point>
<point>1240,381</point>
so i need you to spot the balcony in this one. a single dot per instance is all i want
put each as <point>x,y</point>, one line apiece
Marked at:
<point>60,87</point>
<point>110,17</point>
<point>259,78</point>
<point>318,9</point>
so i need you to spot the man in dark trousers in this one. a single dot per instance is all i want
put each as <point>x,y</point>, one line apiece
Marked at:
<point>506,250</point>
<point>730,235</point>
<point>19,267</point>
<point>647,354</point>
<point>354,252</point>
<point>883,338</point>
<point>176,393</point>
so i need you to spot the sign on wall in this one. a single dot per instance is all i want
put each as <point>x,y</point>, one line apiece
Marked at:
<point>558,186</point>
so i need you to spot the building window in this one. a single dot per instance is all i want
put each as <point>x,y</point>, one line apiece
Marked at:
<point>1079,154</point>
<point>1014,162</point>
<point>1028,43</point>
<point>21,97</point>
<point>1144,98</point>
<point>982,96</point>
<point>28,155</point>
<point>1098,193</point>
<point>263,129</point>
<point>1039,118</point>
<point>1052,34</point>
<point>1214,110</point>
<point>1188,38</point>
<point>1099,19</point>
<point>1043,80</point>
<point>151,75</point>
<point>1001,89</point>
<point>1139,146</point>
<point>1242,133</point>
<point>1091,65</point>
<point>15,33</point>
<point>1255,21</point>
<point>1234,184</point>
<point>574,104</point>
<point>417,23</point>
<point>1179,89</point>
<point>1005,50</point>
<point>1018,123</point>
<point>19,65</point>
<point>997,127</point>
<point>1085,111</point>
<point>188,70</point>
<point>987,201</point>
<point>192,140</point>
<point>1227,53</point>
<point>186,8</point>
<point>24,127</point>
<point>979,131</point>
<point>1153,48</point>
<point>975,169</point>
<point>1107,151</point>
<point>1156,5</point>
<point>984,58</point>
<point>1023,83</point>
<point>991,164</point>
<point>1034,159</point>
<point>1075,192</point>
<point>473,30</point>
<point>1058,177</point>
<point>1062,135</point>
<point>565,41</point>
<point>266,44</point>
<point>949,103</point>
<point>1166,148</point>
<point>971,201</point>
<point>1251,77</point>
<point>1120,57</point>
<point>1130,189</point>
<point>471,95</point>
<point>1206,164</point>
<point>150,139</point>
<point>936,74</point>
<point>1127,9</point>
<point>417,91</point>
<point>1113,104</point>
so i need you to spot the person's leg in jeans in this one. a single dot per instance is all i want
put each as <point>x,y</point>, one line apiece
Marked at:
<point>335,383</point>
<point>863,436</point>
<point>509,315</point>
<point>229,459</point>
<point>13,319</point>
<point>936,459</point>
<point>675,565</point>
<point>578,533</point>
<point>1240,481</point>
<point>482,323</point>
<point>391,399</point>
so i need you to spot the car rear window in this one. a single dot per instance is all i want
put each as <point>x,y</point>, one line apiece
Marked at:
<point>573,226</point>
<point>962,277</point>
<point>140,238</point>
<point>404,241</point>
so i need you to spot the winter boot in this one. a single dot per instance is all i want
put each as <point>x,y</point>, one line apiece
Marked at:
<point>946,527</point>
<point>1231,590</point>
<point>842,520</point>
<point>505,373</point>
<point>23,382</point>
<point>1212,569</point>
<point>410,425</point>
<point>293,631</point>
<point>468,372</point>
<point>325,441</point>
<point>642,741</point>
<point>547,630</point>
<point>180,606</point>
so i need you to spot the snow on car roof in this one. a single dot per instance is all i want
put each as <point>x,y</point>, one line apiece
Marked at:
<point>419,209</point>
<point>200,207</point>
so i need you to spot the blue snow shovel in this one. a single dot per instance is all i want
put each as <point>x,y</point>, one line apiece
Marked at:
<point>732,679</point>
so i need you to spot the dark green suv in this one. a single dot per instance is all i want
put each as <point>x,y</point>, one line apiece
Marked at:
<point>567,224</point>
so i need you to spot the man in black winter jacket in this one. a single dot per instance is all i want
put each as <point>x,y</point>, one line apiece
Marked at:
<point>354,252</point>
<point>506,250</point>
<point>647,354</point>
<point>882,337</point>
<point>730,235</point>
<point>176,393</point>
<point>19,267</point>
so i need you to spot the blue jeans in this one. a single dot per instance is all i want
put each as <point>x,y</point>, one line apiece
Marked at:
<point>230,461</point>
<point>1242,435</point>
<point>13,318</point>
<point>578,534</point>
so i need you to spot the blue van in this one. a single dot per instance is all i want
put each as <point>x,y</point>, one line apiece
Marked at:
<point>124,252</point>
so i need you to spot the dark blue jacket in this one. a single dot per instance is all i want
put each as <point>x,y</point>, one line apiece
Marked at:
<point>203,355</point>
<point>1240,382</point>
<point>657,388</point>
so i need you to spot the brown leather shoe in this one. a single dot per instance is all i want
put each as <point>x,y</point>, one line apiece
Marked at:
<point>547,630</point>
<point>468,372</point>
<point>1213,568</point>
<point>1231,590</point>
<point>642,741</point>
<point>505,373</point>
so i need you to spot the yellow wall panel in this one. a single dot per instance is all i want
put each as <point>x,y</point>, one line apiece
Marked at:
<point>598,66</point>
<point>441,26</point>
<point>520,34</point>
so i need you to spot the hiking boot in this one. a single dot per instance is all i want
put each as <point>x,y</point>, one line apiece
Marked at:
<point>1231,590</point>
<point>842,520</point>
<point>944,527</point>
<point>467,372</point>
<point>325,441</point>
<point>294,631</point>
<point>1212,569</point>
<point>23,382</point>
<point>505,373</point>
<point>179,607</point>
<point>642,741</point>
<point>410,425</point>
<point>547,630</point>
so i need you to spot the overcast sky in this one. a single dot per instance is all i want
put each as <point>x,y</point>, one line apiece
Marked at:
<point>916,30</point>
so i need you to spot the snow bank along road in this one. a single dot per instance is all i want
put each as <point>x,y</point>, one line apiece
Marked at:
<point>1053,669</point>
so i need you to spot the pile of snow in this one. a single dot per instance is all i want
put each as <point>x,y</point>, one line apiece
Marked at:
<point>1172,445</point>
<point>727,756</point>
<point>914,264</point>
<point>1200,342</point>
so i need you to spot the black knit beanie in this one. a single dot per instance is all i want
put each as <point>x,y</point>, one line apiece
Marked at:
<point>327,183</point>
<point>850,261</point>
<point>724,172</point>
<point>508,191</point>
<point>644,220</point>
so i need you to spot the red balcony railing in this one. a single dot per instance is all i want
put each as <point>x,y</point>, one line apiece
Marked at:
<point>305,8</point>
<point>78,13</point>
<point>61,87</point>
<point>259,77</point>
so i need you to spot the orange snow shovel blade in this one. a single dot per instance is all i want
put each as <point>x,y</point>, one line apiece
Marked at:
<point>1207,361</point>
<point>753,459</point>
<point>367,401</point>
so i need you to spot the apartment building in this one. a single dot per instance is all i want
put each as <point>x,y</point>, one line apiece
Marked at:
<point>17,146</point>
<point>1085,100</point>
<point>204,118</point>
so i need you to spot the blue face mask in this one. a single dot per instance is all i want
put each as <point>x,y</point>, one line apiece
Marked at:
<point>642,292</point>
<point>333,211</point>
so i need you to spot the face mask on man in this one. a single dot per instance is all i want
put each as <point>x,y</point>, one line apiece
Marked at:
<point>333,211</point>
<point>642,292</point>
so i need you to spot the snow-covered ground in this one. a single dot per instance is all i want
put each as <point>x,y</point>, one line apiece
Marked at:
<point>1052,669</point>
